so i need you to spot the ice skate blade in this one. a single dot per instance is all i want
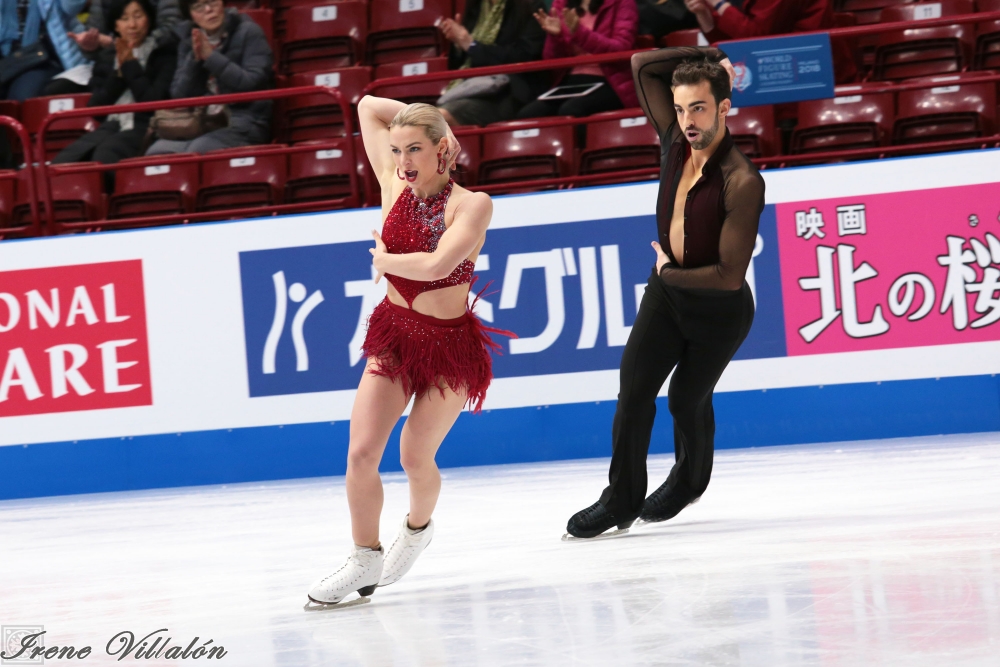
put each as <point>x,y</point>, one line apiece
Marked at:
<point>314,606</point>
<point>603,536</point>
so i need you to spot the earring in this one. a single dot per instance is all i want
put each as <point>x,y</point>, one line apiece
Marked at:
<point>402,178</point>
<point>442,165</point>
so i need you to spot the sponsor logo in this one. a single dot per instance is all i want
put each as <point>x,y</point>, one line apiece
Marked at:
<point>743,78</point>
<point>73,338</point>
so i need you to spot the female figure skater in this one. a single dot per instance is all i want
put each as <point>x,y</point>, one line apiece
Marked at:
<point>423,341</point>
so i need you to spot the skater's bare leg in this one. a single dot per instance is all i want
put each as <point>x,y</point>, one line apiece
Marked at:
<point>377,407</point>
<point>430,420</point>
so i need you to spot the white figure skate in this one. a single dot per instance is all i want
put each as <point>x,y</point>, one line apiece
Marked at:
<point>404,551</point>
<point>360,573</point>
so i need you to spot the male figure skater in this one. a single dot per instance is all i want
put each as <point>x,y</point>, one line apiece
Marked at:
<point>697,308</point>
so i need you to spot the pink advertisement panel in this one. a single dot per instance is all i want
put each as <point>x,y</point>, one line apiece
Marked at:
<point>901,269</point>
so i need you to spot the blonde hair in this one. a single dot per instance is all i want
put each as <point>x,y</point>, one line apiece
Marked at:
<point>422,115</point>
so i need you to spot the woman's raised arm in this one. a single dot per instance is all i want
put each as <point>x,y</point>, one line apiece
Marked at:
<point>375,114</point>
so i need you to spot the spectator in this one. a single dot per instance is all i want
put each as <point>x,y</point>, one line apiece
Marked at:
<point>721,20</point>
<point>135,68</point>
<point>41,26</point>
<point>578,28</point>
<point>662,17</point>
<point>221,52</point>
<point>98,36</point>
<point>493,32</point>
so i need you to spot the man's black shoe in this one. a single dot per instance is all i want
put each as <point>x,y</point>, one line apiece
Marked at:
<point>595,520</point>
<point>664,503</point>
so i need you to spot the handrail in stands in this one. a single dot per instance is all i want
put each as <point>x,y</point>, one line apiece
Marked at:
<point>48,170</point>
<point>34,226</point>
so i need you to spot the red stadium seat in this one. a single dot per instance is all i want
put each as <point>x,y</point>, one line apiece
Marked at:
<point>619,144</point>
<point>59,134</point>
<point>75,197</point>
<point>12,109</point>
<point>323,38</point>
<point>370,185</point>
<point>918,52</point>
<point>317,116</point>
<point>8,184</point>
<point>406,30</point>
<point>526,153</point>
<point>428,91</point>
<point>988,38</point>
<point>153,189</point>
<point>321,173</point>
<point>644,42</point>
<point>843,123</point>
<point>753,130</point>
<point>693,37</point>
<point>867,11</point>
<point>242,177</point>
<point>265,19</point>
<point>956,109</point>
<point>466,170</point>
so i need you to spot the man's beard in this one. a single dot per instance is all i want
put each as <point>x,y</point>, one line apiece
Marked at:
<point>707,136</point>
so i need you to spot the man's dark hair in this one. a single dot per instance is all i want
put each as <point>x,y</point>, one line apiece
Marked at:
<point>117,8</point>
<point>693,73</point>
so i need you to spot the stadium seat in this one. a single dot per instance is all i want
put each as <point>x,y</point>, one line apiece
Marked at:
<point>321,173</point>
<point>265,19</point>
<point>369,182</point>
<point>75,197</point>
<point>958,108</point>
<point>406,30</point>
<point>753,130</point>
<point>466,170</point>
<point>693,37</point>
<point>619,144</point>
<point>867,11</point>
<point>644,42</point>
<point>8,183</point>
<point>843,123</point>
<point>988,38</point>
<point>145,190</point>
<point>920,52</point>
<point>428,91</point>
<point>242,177</point>
<point>59,134</point>
<point>317,116</point>
<point>322,38</point>
<point>12,109</point>
<point>524,153</point>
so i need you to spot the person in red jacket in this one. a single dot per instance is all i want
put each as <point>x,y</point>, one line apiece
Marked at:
<point>588,27</point>
<point>720,20</point>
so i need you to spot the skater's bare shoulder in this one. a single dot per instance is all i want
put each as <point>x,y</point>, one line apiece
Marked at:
<point>475,208</point>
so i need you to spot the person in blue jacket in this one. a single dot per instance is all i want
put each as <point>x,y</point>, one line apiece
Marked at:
<point>41,24</point>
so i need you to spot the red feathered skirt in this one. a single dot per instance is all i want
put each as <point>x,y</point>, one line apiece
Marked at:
<point>424,352</point>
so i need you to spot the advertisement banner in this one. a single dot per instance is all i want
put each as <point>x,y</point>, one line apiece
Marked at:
<point>891,270</point>
<point>776,70</point>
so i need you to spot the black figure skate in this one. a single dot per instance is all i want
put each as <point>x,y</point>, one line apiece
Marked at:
<point>594,522</point>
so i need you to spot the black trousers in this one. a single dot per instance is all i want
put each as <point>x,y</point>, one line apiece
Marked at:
<point>106,144</point>
<point>695,334</point>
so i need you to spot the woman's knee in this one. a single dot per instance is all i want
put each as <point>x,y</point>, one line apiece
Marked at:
<point>363,457</point>
<point>416,461</point>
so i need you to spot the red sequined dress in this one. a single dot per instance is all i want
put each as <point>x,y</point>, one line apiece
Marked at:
<point>418,350</point>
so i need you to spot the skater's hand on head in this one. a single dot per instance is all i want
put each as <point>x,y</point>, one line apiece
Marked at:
<point>661,257</point>
<point>379,253</point>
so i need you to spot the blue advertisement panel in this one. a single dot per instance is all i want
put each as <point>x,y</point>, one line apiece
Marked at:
<point>570,291</point>
<point>781,69</point>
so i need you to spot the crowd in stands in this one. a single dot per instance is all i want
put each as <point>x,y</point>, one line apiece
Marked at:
<point>125,51</point>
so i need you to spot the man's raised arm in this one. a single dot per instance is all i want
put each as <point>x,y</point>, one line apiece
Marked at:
<point>652,72</point>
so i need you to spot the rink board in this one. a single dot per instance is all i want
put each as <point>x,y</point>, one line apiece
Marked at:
<point>228,352</point>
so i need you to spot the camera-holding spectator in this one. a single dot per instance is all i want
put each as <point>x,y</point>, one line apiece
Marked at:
<point>99,35</point>
<point>221,52</point>
<point>136,67</point>
<point>587,27</point>
<point>721,20</point>
<point>35,44</point>
<point>492,32</point>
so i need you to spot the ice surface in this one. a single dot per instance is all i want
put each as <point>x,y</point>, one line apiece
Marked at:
<point>877,553</point>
